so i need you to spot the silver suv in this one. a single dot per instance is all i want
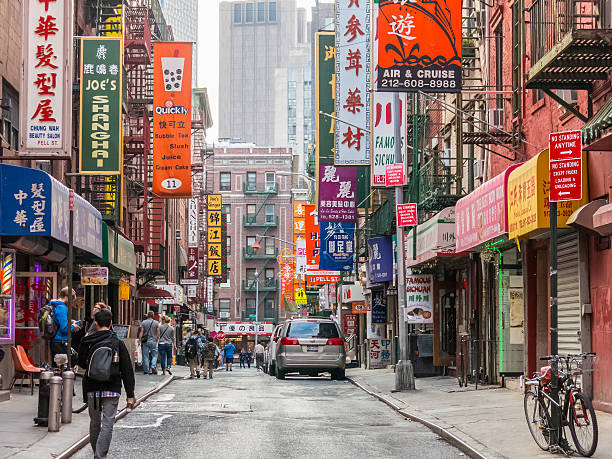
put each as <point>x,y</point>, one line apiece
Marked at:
<point>310,346</point>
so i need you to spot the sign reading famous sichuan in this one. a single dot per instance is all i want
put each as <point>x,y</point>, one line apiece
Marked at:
<point>100,137</point>
<point>419,45</point>
<point>172,119</point>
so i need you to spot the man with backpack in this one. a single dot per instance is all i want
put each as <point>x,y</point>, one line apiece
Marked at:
<point>208,357</point>
<point>107,363</point>
<point>149,336</point>
<point>53,323</point>
<point>193,347</point>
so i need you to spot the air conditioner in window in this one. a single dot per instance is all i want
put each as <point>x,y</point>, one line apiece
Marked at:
<point>179,235</point>
<point>496,118</point>
<point>224,314</point>
<point>446,156</point>
<point>479,168</point>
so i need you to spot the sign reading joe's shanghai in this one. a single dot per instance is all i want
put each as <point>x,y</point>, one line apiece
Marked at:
<point>172,119</point>
<point>100,137</point>
<point>337,193</point>
<point>419,45</point>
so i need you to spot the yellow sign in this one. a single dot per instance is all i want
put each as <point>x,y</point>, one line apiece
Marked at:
<point>286,256</point>
<point>214,251</point>
<point>214,202</point>
<point>300,296</point>
<point>214,235</point>
<point>124,291</point>
<point>214,267</point>
<point>528,205</point>
<point>214,218</point>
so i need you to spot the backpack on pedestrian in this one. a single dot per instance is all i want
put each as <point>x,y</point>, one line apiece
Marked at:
<point>103,359</point>
<point>191,347</point>
<point>47,326</point>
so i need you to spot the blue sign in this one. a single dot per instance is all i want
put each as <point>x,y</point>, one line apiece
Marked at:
<point>337,246</point>
<point>379,307</point>
<point>380,259</point>
<point>35,204</point>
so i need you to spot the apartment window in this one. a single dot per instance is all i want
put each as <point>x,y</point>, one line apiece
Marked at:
<point>237,13</point>
<point>272,11</point>
<point>225,181</point>
<point>9,114</point>
<point>270,249</point>
<point>251,209</point>
<point>269,273</point>
<point>251,181</point>
<point>227,210</point>
<point>250,240</point>
<point>269,213</point>
<point>250,13</point>
<point>224,308</point>
<point>250,274</point>
<point>229,248</point>
<point>269,308</point>
<point>270,181</point>
<point>568,95</point>
<point>261,12</point>
<point>250,307</point>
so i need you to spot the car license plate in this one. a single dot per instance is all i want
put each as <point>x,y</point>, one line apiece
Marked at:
<point>312,348</point>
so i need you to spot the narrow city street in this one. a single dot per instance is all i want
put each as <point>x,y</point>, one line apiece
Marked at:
<point>251,415</point>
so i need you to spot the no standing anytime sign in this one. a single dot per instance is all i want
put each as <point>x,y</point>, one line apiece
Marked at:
<point>565,161</point>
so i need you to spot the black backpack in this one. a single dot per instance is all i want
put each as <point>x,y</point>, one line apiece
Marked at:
<point>103,359</point>
<point>191,347</point>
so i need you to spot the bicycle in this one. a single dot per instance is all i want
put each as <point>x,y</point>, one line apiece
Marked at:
<point>577,411</point>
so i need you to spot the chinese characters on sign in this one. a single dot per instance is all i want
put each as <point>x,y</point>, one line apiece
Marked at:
<point>379,307</point>
<point>47,77</point>
<point>243,328</point>
<point>338,246</point>
<point>407,214</point>
<point>313,237</point>
<point>100,136</point>
<point>287,276</point>
<point>172,119</point>
<point>325,96</point>
<point>419,45</point>
<point>380,259</point>
<point>352,81</point>
<point>337,193</point>
<point>419,299</point>
<point>565,150</point>
<point>213,224</point>
<point>379,353</point>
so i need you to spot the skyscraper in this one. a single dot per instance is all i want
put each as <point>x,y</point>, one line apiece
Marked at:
<point>182,16</point>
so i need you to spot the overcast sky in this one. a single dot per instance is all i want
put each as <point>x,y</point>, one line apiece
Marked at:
<point>208,55</point>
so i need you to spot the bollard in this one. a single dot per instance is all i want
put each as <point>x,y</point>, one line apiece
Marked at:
<point>67,393</point>
<point>55,403</point>
<point>43,399</point>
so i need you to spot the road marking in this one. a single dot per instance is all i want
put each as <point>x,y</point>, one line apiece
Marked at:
<point>164,397</point>
<point>155,425</point>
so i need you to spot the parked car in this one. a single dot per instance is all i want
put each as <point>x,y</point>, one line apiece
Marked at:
<point>270,355</point>
<point>310,346</point>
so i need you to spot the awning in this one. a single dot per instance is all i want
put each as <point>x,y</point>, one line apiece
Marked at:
<point>582,218</point>
<point>598,127</point>
<point>125,258</point>
<point>33,203</point>
<point>483,214</point>
<point>528,205</point>
<point>152,292</point>
<point>177,294</point>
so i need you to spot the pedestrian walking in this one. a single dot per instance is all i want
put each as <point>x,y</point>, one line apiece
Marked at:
<point>108,364</point>
<point>217,357</point>
<point>193,347</point>
<point>228,352</point>
<point>59,342</point>
<point>92,328</point>
<point>208,357</point>
<point>149,336</point>
<point>167,344</point>
<point>259,356</point>
<point>243,357</point>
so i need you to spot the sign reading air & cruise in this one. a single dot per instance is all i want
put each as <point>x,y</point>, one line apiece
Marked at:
<point>172,119</point>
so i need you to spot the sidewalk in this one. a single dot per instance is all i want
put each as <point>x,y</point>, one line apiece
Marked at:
<point>489,420</point>
<point>20,438</point>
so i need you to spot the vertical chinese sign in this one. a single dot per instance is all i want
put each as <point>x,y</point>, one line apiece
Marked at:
<point>287,275</point>
<point>172,119</point>
<point>352,81</point>
<point>325,98</point>
<point>193,273</point>
<point>337,246</point>
<point>299,239</point>
<point>337,193</point>
<point>100,140</point>
<point>313,237</point>
<point>46,86</point>
<point>419,299</point>
<point>222,279</point>
<point>213,224</point>
<point>419,46</point>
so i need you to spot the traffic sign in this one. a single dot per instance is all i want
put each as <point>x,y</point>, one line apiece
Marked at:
<point>394,174</point>
<point>300,296</point>
<point>220,335</point>
<point>407,214</point>
<point>565,164</point>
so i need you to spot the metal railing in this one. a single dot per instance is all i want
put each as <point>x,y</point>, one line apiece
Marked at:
<point>263,253</point>
<point>254,188</point>
<point>266,220</point>
<point>265,285</point>
<point>382,221</point>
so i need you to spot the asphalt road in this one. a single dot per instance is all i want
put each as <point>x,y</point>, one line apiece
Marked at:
<point>245,414</point>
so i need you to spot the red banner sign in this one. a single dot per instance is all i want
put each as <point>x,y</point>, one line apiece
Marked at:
<point>313,236</point>
<point>407,215</point>
<point>322,277</point>
<point>394,174</point>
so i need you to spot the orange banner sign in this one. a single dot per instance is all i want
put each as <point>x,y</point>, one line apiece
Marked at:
<point>172,119</point>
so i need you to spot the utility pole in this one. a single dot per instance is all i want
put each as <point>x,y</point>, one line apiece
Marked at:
<point>70,268</point>
<point>256,306</point>
<point>554,337</point>
<point>404,373</point>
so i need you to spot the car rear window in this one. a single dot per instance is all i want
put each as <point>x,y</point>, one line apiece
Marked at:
<point>312,330</point>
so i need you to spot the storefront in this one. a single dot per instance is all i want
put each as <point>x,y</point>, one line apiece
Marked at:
<point>436,281</point>
<point>529,227</point>
<point>34,225</point>
<point>242,334</point>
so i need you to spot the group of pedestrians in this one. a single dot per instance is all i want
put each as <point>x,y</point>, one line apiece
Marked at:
<point>156,338</point>
<point>201,353</point>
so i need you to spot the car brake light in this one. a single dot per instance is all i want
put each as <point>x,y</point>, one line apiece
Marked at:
<point>289,341</point>
<point>335,342</point>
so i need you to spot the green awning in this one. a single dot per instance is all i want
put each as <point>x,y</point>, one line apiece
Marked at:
<point>602,121</point>
<point>126,258</point>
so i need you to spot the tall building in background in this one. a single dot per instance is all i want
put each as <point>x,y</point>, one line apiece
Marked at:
<point>182,16</point>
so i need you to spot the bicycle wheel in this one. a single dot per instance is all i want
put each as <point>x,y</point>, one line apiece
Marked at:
<point>538,420</point>
<point>583,424</point>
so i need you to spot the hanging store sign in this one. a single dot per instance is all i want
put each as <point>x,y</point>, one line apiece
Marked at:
<point>483,214</point>
<point>337,193</point>
<point>325,97</point>
<point>419,299</point>
<point>214,238</point>
<point>94,275</point>
<point>528,204</point>
<point>419,45</point>
<point>407,214</point>
<point>313,237</point>
<point>192,223</point>
<point>380,259</point>
<point>193,273</point>
<point>243,328</point>
<point>46,85</point>
<point>177,292</point>
<point>337,246</point>
<point>352,82</point>
<point>565,164</point>
<point>379,307</point>
<point>287,276</point>
<point>100,140</point>
<point>434,238</point>
<point>172,119</point>
<point>321,277</point>
<point>379,353</point>
<point>349,324</point>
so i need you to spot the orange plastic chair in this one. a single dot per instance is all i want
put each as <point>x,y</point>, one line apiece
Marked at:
<point>23,367</point>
